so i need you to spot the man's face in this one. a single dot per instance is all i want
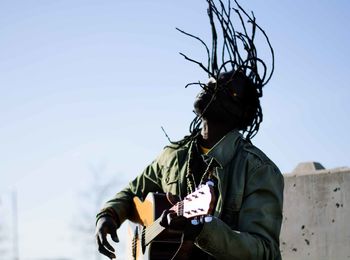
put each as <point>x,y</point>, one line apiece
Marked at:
<point>221,101</point>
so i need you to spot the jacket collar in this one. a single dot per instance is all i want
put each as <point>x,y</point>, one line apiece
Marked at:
<point>224,150</point>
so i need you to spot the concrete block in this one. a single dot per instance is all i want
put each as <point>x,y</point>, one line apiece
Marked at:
<point>316,212</point>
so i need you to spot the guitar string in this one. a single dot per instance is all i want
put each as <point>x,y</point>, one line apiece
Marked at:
<point>155,228</point>
<point>152,231</point>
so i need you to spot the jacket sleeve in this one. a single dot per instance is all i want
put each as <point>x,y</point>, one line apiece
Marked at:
<point>148,181</point>
<point>259,221</point>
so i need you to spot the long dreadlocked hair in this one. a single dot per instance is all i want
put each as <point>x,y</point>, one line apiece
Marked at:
<point>233,42</point>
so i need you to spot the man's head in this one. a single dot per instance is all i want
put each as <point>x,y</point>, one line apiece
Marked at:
<point>231,97</point>
<point>232,100</point>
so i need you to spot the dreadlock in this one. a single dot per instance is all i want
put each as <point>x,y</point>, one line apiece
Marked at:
<point>234,42</point>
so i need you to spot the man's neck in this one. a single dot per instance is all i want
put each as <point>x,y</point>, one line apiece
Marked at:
<point>212,133</point>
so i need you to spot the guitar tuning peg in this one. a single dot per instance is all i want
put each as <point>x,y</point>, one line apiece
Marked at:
<point>208,219</point>
<point>195,222</point>
<point>210,183</point>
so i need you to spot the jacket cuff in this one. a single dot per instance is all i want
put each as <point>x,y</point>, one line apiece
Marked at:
<point>108,212</point>
<point>213,239</point>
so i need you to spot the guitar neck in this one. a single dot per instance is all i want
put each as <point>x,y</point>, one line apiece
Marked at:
<point>152,231</point>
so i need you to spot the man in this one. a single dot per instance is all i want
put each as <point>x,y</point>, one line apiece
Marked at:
<point>247,217</point>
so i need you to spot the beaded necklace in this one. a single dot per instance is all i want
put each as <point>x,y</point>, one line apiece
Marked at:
<point>207,175</point>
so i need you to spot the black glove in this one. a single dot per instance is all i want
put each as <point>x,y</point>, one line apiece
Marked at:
<point>106,225</point>
<point>170,220</point>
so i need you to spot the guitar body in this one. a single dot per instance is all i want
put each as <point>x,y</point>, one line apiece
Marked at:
<point>165,244</point>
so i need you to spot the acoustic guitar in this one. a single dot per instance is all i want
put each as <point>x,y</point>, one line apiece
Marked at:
<point>150,240</point>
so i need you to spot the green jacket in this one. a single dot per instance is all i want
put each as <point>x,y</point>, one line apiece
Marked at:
<point>248,214</point>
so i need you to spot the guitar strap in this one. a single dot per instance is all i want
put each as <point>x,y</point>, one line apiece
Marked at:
<point>185,250</point>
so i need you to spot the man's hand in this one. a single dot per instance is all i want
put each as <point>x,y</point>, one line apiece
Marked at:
<point>169,219</point>
<point>106,225</point>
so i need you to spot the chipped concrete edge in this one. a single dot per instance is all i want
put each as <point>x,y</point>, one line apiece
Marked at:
<point>324,171</point>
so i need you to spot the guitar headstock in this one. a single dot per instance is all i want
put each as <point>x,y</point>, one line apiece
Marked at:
<point>198,203</point>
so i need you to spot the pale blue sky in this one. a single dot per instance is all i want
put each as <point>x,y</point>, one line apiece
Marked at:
<point>91,82</point>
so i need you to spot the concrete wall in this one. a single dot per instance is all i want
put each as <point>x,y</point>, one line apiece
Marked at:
<point>316,222</point>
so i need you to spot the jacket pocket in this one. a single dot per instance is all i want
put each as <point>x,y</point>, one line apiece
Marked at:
<point>231,210</point>
<point>170,181</point>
